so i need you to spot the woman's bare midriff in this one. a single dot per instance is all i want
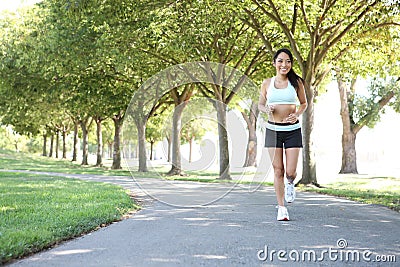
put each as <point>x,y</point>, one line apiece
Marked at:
<point>281,112</point>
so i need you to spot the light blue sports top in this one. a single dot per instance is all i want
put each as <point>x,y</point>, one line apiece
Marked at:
<point>276,96</point>
<point>286,95</point>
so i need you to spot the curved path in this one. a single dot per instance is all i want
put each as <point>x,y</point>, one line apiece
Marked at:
<point>237,227</point>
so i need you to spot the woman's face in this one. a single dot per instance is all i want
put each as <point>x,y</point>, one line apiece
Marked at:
<point>282,63</point>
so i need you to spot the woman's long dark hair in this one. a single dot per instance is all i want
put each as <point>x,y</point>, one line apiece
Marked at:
<point>292,76</point>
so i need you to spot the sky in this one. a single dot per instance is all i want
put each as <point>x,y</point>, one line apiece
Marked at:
<point>12,5</point>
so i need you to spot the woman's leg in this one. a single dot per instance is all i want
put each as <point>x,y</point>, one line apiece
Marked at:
<point>292,157</point>
<point>276,155</point>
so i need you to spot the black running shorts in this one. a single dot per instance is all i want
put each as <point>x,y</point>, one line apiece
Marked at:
<point>283,139</point>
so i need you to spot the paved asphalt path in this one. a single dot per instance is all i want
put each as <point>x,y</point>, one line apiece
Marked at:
<point>203,224</point>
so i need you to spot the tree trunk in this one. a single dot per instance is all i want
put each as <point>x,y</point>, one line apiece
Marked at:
<point>251,121</point>
<point>176,168</point>
<point>141,127</point>
<point>117,142</point>
<point>349,156</point>
<point>224,166</point>
<point>64,144</point>
<point>51,146</point>
<point>151,150</point>
<point>169,144</point>
<point>85,143</point>
<point>309,175</point>
<point>190,149</point>
<point>99,135</point>
<point>44,151</point>
<point>110,149</point>
<point>75,145</point>
<point>57,142</point>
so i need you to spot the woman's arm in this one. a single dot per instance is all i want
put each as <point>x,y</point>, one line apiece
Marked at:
<point>263,96</point>
<point>301,94</point>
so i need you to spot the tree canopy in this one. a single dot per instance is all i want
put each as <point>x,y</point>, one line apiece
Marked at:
<point>67,62</point>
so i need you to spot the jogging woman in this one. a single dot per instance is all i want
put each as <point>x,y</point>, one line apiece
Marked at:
<point>283,98</point>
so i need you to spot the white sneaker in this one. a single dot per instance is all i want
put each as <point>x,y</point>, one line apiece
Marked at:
<point>283,214</point>
<point>290,193</point>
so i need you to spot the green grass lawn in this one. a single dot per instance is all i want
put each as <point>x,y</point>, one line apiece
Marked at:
<point>20,161</point>
<point>372,190</point>
<point>38,211</point>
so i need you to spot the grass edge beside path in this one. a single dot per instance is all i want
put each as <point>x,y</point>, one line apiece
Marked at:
<point>40,211</point>
<point>354,187</point>
<point>383,191</point>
